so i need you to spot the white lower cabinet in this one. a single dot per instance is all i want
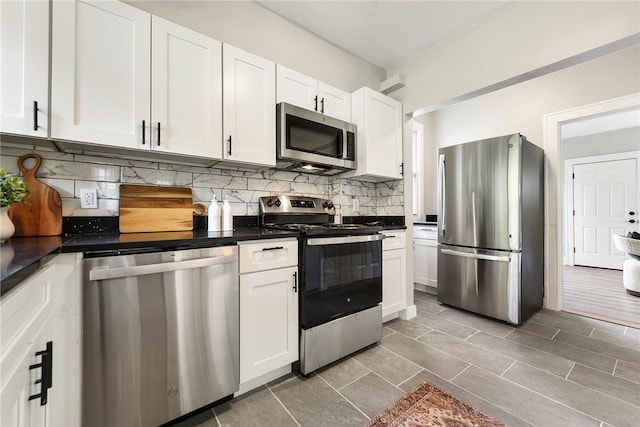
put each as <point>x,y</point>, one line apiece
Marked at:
<point>425,262</point>
<point>268,307</point>
<point>41,341</point>
<point>394,273</point>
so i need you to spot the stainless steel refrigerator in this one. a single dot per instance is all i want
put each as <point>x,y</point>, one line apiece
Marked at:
<point>491,227</point>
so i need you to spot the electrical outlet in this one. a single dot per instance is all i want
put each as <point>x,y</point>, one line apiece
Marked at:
<point>356,203</point>
<point>88,198</point>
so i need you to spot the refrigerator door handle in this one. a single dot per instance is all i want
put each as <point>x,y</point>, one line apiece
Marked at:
<point>476,256</point>
<point>443,194</point>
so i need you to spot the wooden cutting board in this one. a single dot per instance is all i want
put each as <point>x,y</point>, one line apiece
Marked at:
<point>147,208</point>
<point>42,214</point>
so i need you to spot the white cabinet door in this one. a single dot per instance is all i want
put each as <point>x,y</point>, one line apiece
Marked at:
<point>44,308</point>
<point>305,92</point>
<point>100,76</point>
<point>379,120</point>
<point>249,110</point>
<point>24,74</point>
<point>186,91</point>
<point>268,321</point>
<point>394,278</point>
<point>297,89</point>
<point>334,102</point>
<point>425,262</point>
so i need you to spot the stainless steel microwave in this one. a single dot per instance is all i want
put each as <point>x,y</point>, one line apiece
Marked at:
<point>311,142</point>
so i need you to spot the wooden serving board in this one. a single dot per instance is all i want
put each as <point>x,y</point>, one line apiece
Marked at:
<point>147,208</point>
<point>42,214</point>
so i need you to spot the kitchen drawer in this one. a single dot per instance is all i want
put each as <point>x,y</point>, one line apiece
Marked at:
<point>425,232</point>
<point>393,239</point>
<point>267,255</point>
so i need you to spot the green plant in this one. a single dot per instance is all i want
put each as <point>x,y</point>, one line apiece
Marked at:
<point>12,189</point>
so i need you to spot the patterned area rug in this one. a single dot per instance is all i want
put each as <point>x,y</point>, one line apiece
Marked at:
<point>427,405</point>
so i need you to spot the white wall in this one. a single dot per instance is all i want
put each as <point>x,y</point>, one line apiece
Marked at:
<point>251,27</point>
<point>517,39</point>
<point>617,141</point>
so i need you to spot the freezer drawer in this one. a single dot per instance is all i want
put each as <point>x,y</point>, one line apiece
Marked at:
<point>481,281</point>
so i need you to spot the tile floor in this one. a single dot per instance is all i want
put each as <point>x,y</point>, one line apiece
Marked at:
<point>558,369</point>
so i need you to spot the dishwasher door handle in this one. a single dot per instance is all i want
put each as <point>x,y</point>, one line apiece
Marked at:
<point>164,267</point>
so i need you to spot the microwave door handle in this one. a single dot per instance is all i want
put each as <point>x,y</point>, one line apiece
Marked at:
<point>341,142</point>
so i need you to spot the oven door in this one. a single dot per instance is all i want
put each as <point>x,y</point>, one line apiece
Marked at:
<point>340,276</point>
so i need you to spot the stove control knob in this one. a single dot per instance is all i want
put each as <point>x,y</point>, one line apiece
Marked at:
<point>278,203</point>
<point>327,205</point>
<point>269,202</point>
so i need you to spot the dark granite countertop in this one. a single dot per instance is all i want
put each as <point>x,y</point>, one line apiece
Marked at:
<point>386,222</point>
<point>21,256</point>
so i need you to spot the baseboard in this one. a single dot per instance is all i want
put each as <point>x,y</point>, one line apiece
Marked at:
<point>426,288</point>
<point>408,313</point>
<point>263,379</point>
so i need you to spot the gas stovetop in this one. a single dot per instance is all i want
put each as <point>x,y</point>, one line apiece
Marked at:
<point>306,215</point>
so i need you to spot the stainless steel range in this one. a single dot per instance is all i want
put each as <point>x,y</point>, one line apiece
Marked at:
<point>340,278</point>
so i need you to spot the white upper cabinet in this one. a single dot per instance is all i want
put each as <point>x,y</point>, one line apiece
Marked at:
<point>249,118</point>
<point>379,146</point>
<point>186,91</point>
<point>123,78</point>
<point>303,91</point>
<point>24,78</point>
<point>100,82</point>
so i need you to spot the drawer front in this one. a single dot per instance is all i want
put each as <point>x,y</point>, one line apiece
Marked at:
<point>267,255</point>
<point>425,232</point>
<point>393,240</point>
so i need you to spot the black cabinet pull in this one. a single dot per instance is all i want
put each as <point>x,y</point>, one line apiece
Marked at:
<point>35,115</point>
<point>158,134</point>
<point>402,169</point>
<point>275,248</point>
<point>295,281</point>
<point>46,379</point>
<point>144,126</point>
<point>229,150</point>
<point>316,101</point>
<point>632,213</point>
<point>632,221</point>
<point>322,105</point>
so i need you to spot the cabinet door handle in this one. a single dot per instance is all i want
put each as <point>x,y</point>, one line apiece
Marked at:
<point>158,134</point>
<point>295,281</point>
<point>322,106</point>
<point>229,141</point>
<point>144,130</point>
<point>35,115</point>
<point>275,248</point>
<point>316,103</point>
<point>46,378</point>
<point>632,221</point>
<point>402,169</point>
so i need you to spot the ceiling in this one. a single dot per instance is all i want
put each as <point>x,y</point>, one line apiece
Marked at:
<point>385,33</point>
<point>602,123</point>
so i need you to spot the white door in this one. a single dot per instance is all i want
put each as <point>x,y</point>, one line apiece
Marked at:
<point>186,91</point>
<point>268,321</point>
<point>334,102</point>
<point>383,128</point>
<point>425,262</point>
<point>249,107</point>
<point>100,75</point>
<point>605,202</point>
<point>394,277</point>
<point>24,67</point>
<point>297,89</point>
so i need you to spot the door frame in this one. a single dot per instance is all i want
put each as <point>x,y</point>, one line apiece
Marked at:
<point>569,255</point>
<point>554,194</point>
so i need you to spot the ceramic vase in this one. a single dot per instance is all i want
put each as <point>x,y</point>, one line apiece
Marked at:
<point>6,225</point>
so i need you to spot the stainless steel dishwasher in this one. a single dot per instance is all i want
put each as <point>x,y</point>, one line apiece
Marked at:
<point>160,335</point>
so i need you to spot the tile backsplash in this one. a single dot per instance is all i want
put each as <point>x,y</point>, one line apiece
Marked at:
<point>68,173</point>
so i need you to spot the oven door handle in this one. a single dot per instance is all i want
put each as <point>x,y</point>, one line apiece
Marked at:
<point>320,241</point>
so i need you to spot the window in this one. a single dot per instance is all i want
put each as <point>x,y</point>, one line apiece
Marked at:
<point>417,169</point>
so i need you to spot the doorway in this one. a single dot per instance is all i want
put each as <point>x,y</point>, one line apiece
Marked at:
<point>601,199</point>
